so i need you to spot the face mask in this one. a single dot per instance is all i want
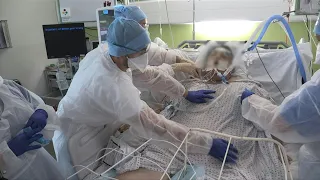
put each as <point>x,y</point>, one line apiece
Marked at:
<point>139,63</point>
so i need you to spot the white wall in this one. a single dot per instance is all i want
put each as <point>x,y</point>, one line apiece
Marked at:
<point>27,59</point>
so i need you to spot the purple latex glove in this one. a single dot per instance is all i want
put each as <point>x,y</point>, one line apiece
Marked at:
<point>218,150</point>
<point>38,119</point>
<point>246,93</point>
<point>21,143</point>
<point>199,96</point>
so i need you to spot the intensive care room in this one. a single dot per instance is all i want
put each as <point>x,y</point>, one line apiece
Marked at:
<point>159,90</point>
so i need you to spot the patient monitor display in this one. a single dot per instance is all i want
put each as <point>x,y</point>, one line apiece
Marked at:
<point>105,16</point>
<point>65,40</point>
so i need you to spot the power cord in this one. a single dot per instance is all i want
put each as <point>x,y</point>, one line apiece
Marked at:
<point>165,2</point>
<point>308,27</point>
<point>91,35</point>
<point>269,74</point>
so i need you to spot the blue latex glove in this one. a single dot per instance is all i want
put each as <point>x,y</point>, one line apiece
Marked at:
<point>316,29</point>
<point>199,96</point>
<point>20,144</point>
<point>38,119</point>
<point>218,150</point>
<point>246,93</point>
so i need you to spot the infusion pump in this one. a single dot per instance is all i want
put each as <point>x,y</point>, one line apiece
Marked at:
<point>305,7</point>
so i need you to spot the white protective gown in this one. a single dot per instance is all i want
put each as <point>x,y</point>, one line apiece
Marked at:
<point>17,105</point>
<point>317,60</point>
<point>101,97</point>
<point>157,87</point>
<point>296,120</point>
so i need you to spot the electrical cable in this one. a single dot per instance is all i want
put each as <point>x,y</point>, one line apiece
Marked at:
<point>91,28</point>
<point>165,1</point>
<point>95,29</point>
<point>269,74</point>
<point>91,35</point>
<point>314,42</point>
<point>308,27</point>
<point>160,19</point>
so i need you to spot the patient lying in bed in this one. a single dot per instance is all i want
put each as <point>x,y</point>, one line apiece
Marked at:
<point>257,160</point>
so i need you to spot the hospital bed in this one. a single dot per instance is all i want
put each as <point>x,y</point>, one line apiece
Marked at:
<point>273,64</point>
<point>288,80</point>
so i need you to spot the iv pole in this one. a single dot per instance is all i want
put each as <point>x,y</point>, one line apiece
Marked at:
<point>194,21</point>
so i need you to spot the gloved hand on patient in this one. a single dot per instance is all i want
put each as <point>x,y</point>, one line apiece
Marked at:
<point>218,150</point>
<point>246,93</point>
<point>199,96</point>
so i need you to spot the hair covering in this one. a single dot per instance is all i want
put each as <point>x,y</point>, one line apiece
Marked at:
<point>126,36</point>
<point>129,12</point>
<point>236,49</point>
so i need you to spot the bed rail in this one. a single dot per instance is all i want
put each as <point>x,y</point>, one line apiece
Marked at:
<point>195,44</point>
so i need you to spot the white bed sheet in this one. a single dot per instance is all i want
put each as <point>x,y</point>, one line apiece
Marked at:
<point>282,67</point>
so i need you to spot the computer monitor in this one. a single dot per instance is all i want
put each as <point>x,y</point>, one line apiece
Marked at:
<point>105,17</point>
<point>64,40</point>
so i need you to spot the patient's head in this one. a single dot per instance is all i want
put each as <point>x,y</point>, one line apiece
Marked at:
<point>220,58</point>
<point>223,57</point>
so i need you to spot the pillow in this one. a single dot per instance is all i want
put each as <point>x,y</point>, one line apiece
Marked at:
<point>282,67</point>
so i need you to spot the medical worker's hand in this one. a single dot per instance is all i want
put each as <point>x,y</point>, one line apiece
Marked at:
<point>186,68</point>
<point>38,119</point>
<point>246,93</point>
<point>20,144</point>
<point>199,96</point>
<point>218,150</point>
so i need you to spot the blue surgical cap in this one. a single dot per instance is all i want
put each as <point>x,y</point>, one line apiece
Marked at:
<point>129,12</point>
<point>126,36</point>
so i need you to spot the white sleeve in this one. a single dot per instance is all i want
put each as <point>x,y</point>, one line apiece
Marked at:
<point>156,126</point>
<point>270,117</point>
<point>258,110</point>
<point>9,162</point>
<point>158,55</point>
<point>147,124</point>
<point>158,79</point>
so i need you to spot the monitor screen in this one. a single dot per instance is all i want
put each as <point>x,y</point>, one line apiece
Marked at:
<point>64,40</point>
